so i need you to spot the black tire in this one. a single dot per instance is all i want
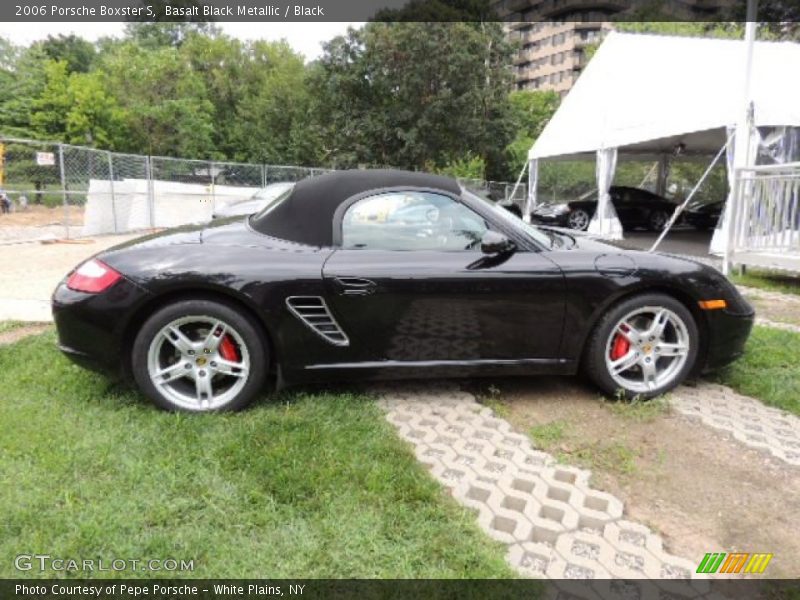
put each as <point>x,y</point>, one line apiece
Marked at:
<point>657,220</point>
<point>594,359</point>
<point>248,331</point>
<point>578,219</point>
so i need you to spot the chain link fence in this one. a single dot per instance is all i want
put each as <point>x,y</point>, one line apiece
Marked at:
<point>53,191</point>
<point>498,191</point>
<point>61,191</point>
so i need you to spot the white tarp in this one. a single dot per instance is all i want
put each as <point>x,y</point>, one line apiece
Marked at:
<point>604,221</point>
<point>646,93</point>
<point>173,204</point>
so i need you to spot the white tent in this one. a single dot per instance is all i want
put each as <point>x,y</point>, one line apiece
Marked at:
<point>643,95</point>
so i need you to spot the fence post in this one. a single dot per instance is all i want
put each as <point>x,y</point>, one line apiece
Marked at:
<point>113,195</point>
<point>211,171</point>
<point>148,173</point>
<point>263,175</point>
<point>730,226</point>
<point>63,189</point>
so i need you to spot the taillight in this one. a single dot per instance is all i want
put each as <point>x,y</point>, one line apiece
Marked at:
<point>93,277</point>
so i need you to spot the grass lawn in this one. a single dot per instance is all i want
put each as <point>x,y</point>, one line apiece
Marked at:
<point>309,485</point>
<point>769,369</point>
<point>769,280</point>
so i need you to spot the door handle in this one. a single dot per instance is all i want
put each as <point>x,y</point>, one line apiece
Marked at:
<point>354,286</point>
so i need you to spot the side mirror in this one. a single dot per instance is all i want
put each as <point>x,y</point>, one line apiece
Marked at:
<point>493,242</point>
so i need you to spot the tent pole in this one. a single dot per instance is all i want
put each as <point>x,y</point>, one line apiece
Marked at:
<point>663,170</point>
<point>683,205</point>
<point>741,148</point>
<point>516,185</point>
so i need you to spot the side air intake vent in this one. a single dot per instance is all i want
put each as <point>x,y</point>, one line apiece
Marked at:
<point>313,311</point>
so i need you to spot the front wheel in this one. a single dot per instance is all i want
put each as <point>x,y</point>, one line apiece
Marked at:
<point>199,356</point>
<point>644,346</point>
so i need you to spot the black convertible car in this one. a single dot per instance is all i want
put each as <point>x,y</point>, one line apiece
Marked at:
<point>635,208</point>
<point>389,274</point>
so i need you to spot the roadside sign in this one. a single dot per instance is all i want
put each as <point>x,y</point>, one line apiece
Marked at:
<point>45,159</point>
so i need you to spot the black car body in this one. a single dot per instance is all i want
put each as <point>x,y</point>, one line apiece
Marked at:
<point>703,216</point>
<point>636,208</point>
<point>326,286</point>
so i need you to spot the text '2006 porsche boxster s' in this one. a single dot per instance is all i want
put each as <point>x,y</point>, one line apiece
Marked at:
<point>389,274</point>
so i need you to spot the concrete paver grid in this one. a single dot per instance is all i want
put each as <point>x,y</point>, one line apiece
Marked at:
<point>553,522</point>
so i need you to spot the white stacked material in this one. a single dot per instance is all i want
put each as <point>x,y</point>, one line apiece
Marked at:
<point>129,207</point>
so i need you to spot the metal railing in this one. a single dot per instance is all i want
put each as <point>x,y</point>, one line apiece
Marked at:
<point>765,219</point>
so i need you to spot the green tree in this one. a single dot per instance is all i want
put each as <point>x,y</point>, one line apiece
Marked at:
<point>467,167</point>
<point>24,78</point>
<point>50,108</point>
<point>75,51</point>
<point>159,34</point>
<point>165,102</point>
<point>259,93</point>
<point>531,111</point>
<point>94,117</point>
<point>412,94</point>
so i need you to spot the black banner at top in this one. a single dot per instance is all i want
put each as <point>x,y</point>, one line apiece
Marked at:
<point>392,10</point>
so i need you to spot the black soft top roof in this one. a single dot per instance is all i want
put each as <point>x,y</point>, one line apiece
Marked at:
<point>306,215</point>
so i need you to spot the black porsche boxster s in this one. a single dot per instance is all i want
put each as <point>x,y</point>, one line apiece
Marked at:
<point>389,274</point>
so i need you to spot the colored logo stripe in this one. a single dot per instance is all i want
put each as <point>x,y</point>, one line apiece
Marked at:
<point>757,563</point>
<point>711,562</point>
<point>734,562</point>
<point>752,563</point>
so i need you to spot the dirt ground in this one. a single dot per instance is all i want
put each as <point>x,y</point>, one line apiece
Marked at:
<point>32,271</point>
<point>702,491</point>
<point>783,310</point>
<point>39,216</point>
<point>14,335</point>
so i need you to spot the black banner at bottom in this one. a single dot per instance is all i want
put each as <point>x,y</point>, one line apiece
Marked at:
<point>259,589</point>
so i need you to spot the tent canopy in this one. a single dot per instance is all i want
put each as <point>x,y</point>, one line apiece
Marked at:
<point>644,94</point>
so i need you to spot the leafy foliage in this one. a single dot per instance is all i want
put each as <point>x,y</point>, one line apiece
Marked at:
<point>412,94</point>
<point>416,95</point>
<point>530,112</point>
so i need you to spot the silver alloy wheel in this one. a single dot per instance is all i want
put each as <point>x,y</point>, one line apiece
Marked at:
<point>657,342</point>
<point>578,219</point>
<point>185,365</point>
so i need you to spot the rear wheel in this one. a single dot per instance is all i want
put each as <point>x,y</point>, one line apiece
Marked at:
<point>644,346</point>
<point>658,220</point>
<point>578,219</point>
<point>199,356</point>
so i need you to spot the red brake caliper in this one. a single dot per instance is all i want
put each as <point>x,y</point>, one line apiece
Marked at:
<point>620,347</point>
<point>228,349</point>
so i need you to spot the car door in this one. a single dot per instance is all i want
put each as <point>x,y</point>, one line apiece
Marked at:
<point>410,283</point>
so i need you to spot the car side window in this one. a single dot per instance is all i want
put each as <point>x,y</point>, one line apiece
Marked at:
<point>411,220</point>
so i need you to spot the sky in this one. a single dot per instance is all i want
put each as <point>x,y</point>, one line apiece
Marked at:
<point>305,38</point>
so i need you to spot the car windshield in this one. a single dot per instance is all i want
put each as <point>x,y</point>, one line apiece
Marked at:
<point>512,219</point>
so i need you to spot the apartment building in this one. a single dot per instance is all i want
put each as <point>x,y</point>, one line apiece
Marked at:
<point>553,53</point>
<point>553,35</point>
